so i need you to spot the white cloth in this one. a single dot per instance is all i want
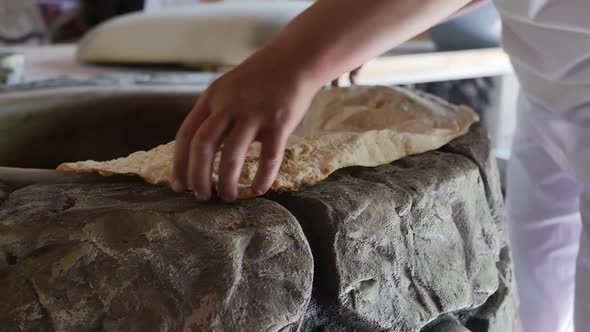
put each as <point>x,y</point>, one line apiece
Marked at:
<point>544,190</point>
<point>549,45</point>
<point>199,35</point>
<point>549,172</point>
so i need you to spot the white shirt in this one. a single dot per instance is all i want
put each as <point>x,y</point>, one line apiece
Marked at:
<point>549,45</point>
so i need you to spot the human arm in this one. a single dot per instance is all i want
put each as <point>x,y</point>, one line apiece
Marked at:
<point>265,97</point>
<point>472,5</point>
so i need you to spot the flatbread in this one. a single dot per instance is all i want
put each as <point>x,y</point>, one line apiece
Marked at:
<point>355,126</point>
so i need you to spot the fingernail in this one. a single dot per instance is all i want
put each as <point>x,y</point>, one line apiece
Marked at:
<point>201,197</point>
<point>259,190</point>
<point>177,186</point>
<point>228,198</point>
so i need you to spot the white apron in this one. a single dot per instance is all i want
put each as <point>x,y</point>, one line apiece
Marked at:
<point>549,172</point>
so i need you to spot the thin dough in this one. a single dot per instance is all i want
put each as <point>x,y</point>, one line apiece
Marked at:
<point>355,126</point>
<point>200,35</point>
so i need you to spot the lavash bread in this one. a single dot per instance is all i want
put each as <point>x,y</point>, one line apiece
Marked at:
<point>354,126</point>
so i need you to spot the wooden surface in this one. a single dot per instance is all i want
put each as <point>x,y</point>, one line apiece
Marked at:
<point>435,66</point>
<point>52,61</point>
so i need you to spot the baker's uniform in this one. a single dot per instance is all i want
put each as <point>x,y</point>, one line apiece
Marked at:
<point>548,197</point>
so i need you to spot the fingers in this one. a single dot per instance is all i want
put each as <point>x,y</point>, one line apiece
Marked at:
<point>271,158</point>
<point>203,147</point>
<point>183,141</point>
<point>354,75</point>
<point>234,152</point>
<point>236,122</point>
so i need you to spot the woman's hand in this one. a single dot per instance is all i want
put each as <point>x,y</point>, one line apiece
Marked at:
<point>259,100</point>
<point>265,97</point>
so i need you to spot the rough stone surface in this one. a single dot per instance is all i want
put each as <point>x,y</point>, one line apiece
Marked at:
<point>133,257</point>
<point>419,245</point>
<point>501,311</point>
<point>477,147</point>
<point>399,247</point>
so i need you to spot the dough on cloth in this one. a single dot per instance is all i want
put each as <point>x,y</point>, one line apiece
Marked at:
<point>206,35</point>
<point>354,126</point>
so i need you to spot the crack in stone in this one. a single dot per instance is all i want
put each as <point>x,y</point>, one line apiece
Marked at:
<point>464,238</point>
<point>69,203</point>
<point>4,193</point>
<point>44,309</point>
